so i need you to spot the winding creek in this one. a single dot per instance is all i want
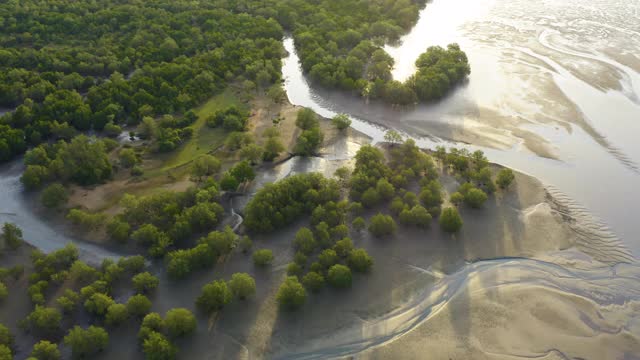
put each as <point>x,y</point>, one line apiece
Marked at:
<point>554,93</point>
<point>17,208</point>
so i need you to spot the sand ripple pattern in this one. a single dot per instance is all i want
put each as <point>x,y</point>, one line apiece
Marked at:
<point>593,236</point>
<point>581,104</point>
<point>604,299</point>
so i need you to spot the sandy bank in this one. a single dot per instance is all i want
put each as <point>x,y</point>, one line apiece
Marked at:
<point>508,275</point>
<point>483,293</point>
<point>520,308</point>
<point>17,305</point>
<point>432,295</point>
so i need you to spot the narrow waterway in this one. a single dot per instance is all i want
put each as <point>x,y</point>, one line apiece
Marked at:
<point>17,208</point>
<point>490,303</point>
<point>553,92</point>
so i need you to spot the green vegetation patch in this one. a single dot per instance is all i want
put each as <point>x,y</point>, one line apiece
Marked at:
<point>204,139</point>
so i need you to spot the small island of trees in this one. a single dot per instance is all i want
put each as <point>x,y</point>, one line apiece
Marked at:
<point>350,57</point>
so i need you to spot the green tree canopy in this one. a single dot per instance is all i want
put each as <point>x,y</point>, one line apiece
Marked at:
<point>306,119</point>
<point>6,338</point>
<point>54,195</point>
<point>98,304</point>
<point>116,314</point>
<point>128,158</point>
<point>180,322</point>
<point>359,260</point>
<point>85,342</point>
<point>84,161</point>
<point>11,235</point>
<point>242,285</point>
<point>262,257</point>
<point>339,276</point>
<point>504,178</point>
<point>341,121</point>
<point>450,220</point>
<point>45,320</point>
<point>157,347</point>
<point>205,165</point>
<point>475,198</point>
<point>382,225</point>
<point>393,137</point>
<point>291,293</point>
<point>145,282</point>
<point>304,241</point>
<point>214,296</point>
<point>138,305</point>
<point>45,350</point>
<point>313,281</point>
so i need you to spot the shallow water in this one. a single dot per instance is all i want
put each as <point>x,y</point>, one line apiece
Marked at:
<point>553,92</point>
<point>17,208</point>
<point>600,292</point>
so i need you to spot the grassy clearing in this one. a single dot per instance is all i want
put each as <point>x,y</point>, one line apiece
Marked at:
<point>204,138</point>
<point>169,171</point>
<point>171,168</point>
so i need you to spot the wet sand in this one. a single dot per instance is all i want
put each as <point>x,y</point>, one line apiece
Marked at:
<point>523,309</point>
<point>516,270</point>
<point>430,290</point>
<point>553,92</point>
<point>17,305</point>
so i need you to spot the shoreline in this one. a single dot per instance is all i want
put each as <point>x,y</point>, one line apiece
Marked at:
<point>556,200</point>
<point>423,282</point>
<point>86,197</point>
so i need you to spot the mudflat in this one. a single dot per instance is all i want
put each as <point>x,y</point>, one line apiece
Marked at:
<point>516,268</point>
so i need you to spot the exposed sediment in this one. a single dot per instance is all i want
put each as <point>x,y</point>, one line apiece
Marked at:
<point>592,236</point>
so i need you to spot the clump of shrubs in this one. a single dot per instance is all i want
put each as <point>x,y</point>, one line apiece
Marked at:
<point>450,220</point>
<point>262,257</point>
<point>382,225</point>
<point>216,294</point>
<point>339,276</point>
<point>291,293</point>
<point>417,216</point>
<point>504,178</point>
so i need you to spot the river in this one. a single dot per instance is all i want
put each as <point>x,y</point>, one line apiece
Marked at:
<point>553,92</point>
<point>17,208</point>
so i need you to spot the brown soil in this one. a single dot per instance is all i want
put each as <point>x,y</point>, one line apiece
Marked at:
<point>283,115</point>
